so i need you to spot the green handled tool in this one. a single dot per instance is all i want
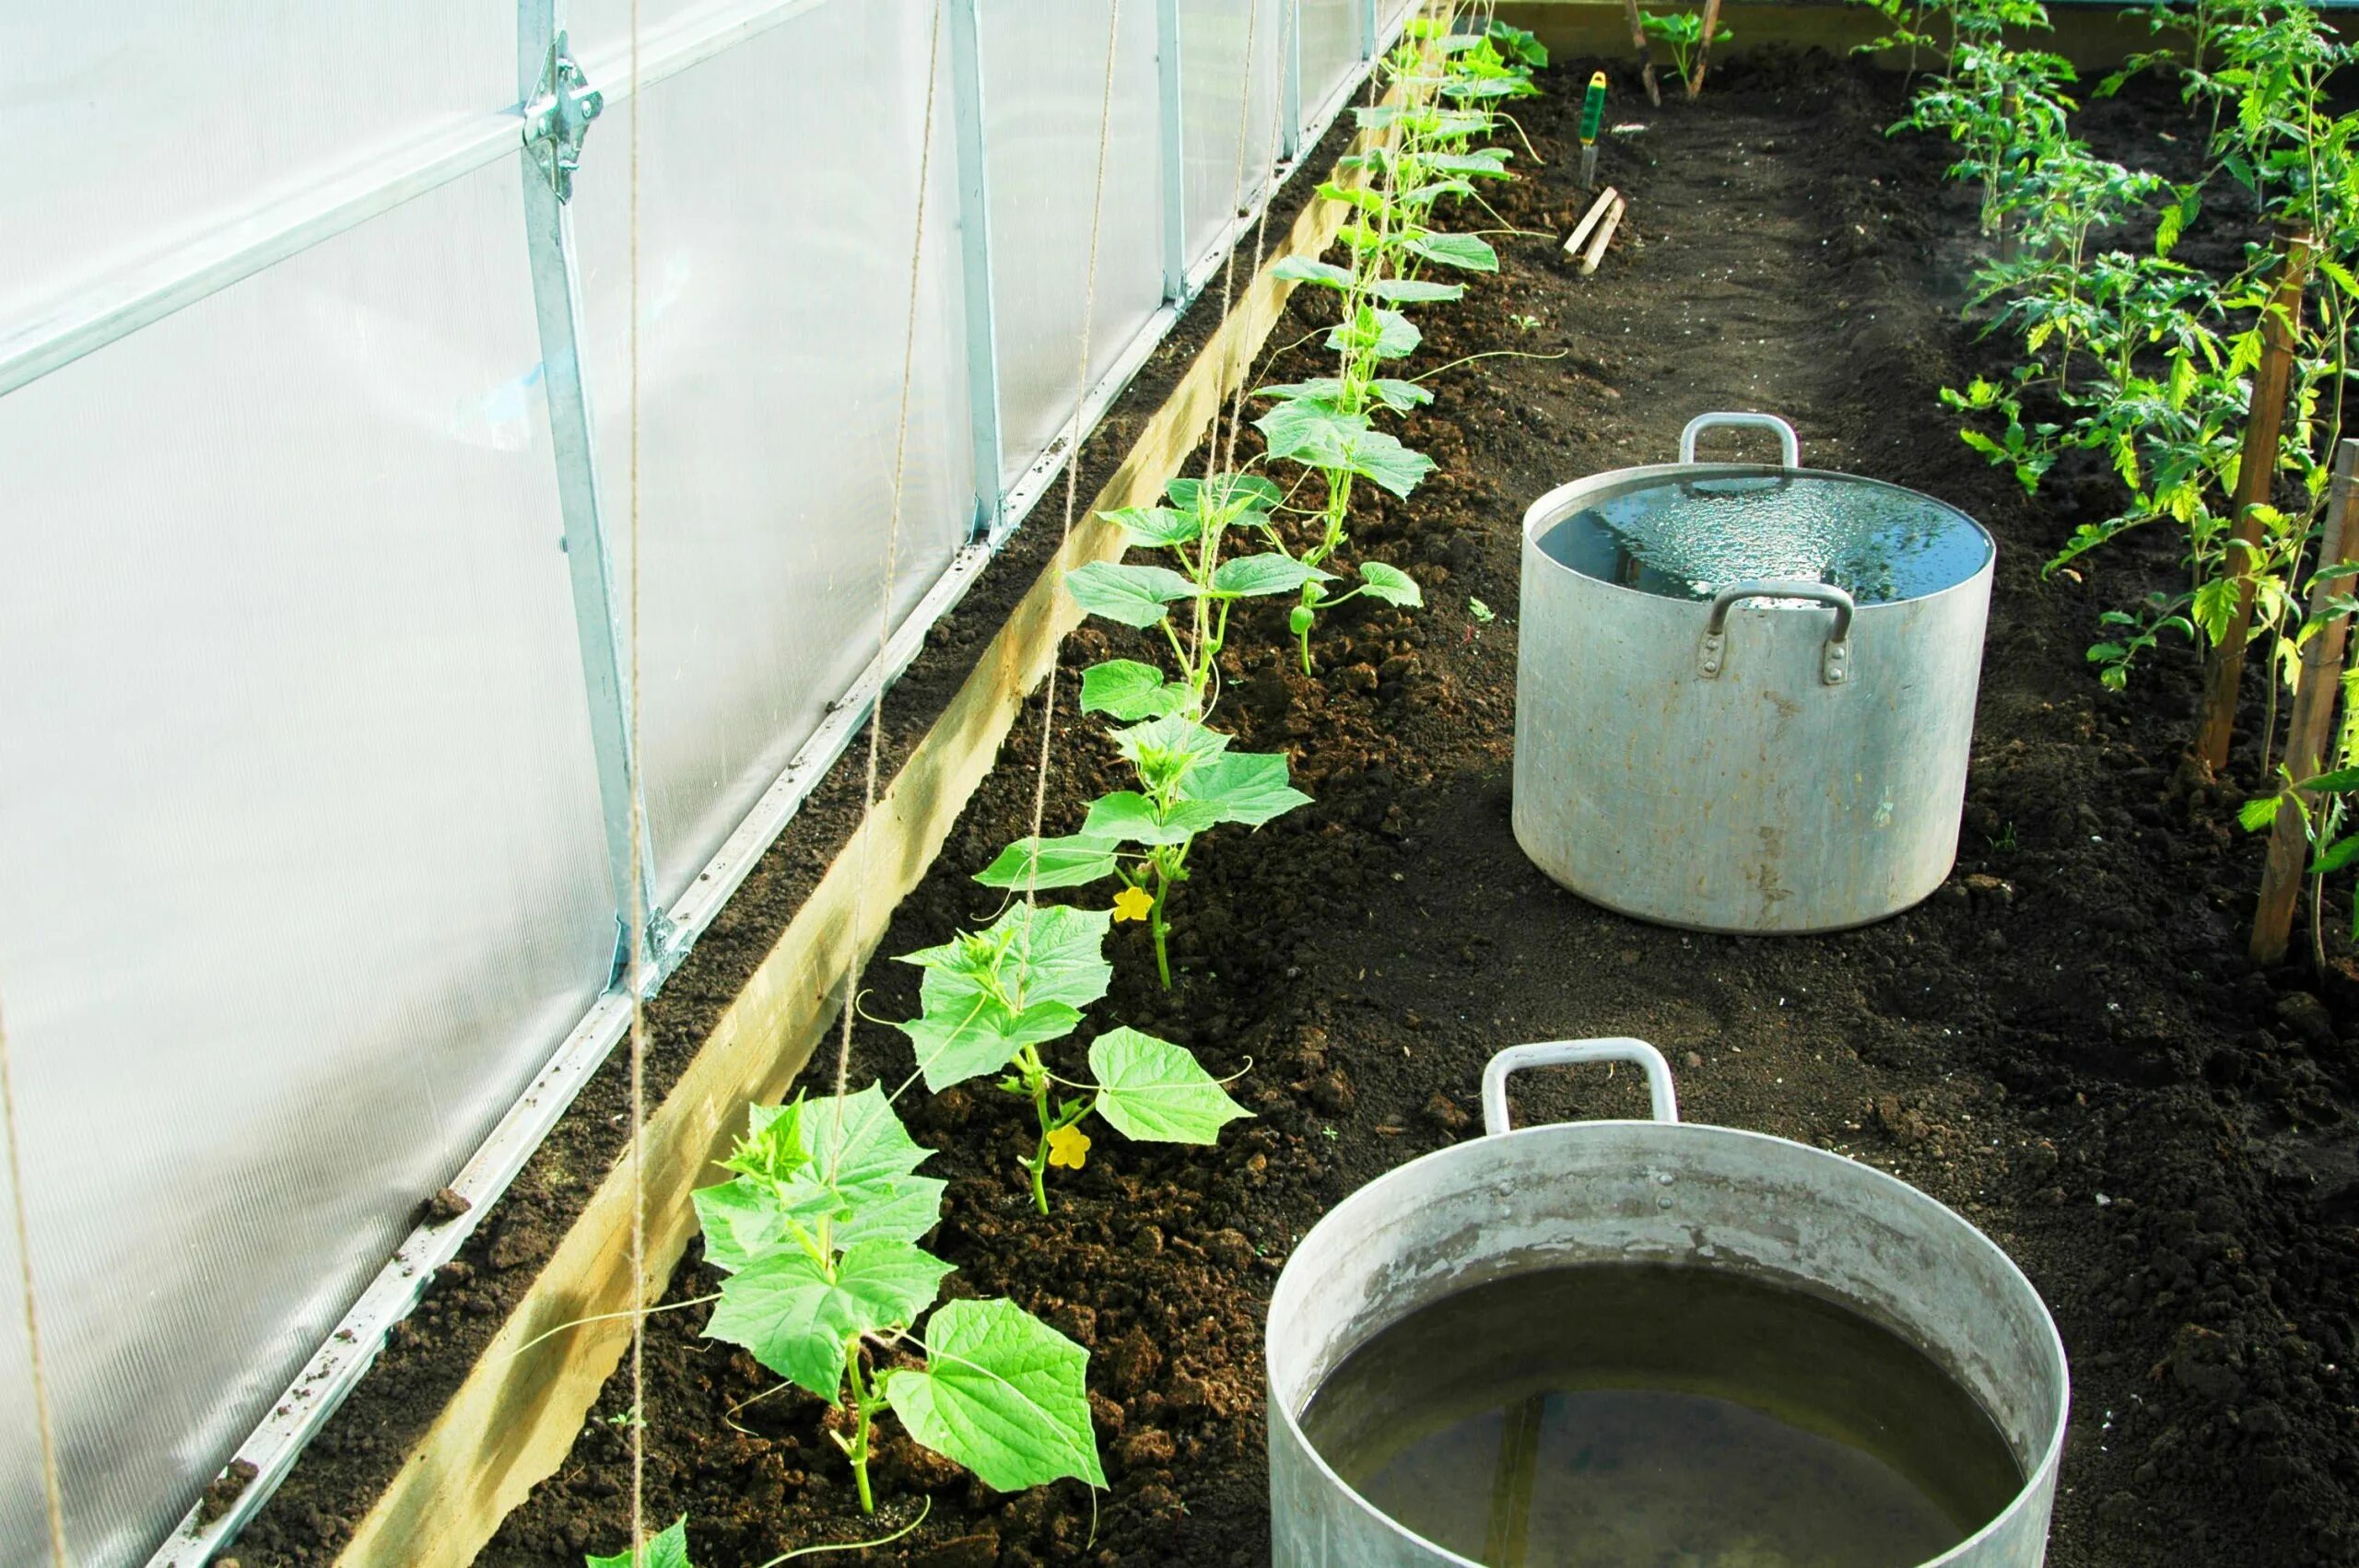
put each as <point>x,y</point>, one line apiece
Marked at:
<point>1592,119</point>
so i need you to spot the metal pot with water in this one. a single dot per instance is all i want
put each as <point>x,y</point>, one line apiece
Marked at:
<point>1745,692</point>
<point>1655,1344</point>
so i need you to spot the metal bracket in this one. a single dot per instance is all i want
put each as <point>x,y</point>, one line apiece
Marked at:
<point>558,118</point>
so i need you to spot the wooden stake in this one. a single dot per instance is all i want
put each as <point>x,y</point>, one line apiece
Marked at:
<point>2256,474</point>
<point>1703,46</point>
<point>1605,199</point>
<point>516,1416</point>
<point>1646,52</point>
<point>1596,251</point>
<point>2320,678</point>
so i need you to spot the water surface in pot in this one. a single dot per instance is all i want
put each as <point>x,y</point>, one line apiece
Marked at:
<point>1655,1416</point>
<point>1688,538</point>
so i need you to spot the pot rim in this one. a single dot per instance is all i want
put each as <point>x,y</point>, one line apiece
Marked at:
<point>2037,1478</point>
<point>1553,506</point>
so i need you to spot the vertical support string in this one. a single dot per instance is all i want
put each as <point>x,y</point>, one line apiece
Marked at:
<point>1073,443</point>
<point>638,897</point>
<point>892,569</point>
<point>53,1491</point>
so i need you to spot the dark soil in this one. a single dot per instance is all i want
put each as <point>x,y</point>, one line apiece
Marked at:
<point>2064,1044</point>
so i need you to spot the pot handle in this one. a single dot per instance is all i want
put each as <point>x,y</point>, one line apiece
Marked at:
<point>1834,662</point>
<point>1568,1053</point>
<point>1789,445</point>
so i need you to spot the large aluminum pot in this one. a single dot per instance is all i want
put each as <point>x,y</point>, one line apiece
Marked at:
<point>1647,1191</point>
<point>1745,693</point>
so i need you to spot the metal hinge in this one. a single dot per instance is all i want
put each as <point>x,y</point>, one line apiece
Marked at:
<point>558,118</point>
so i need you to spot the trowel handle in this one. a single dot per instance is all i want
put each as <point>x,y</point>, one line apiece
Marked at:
<point>1789,445</point>
<point>1594,109</point>
<point>1571,1053</point>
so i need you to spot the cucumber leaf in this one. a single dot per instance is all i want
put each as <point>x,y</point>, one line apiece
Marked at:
<point>1002,1394</point>
<point>1156,1092</point>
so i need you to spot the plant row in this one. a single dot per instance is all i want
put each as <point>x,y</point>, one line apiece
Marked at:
<point>2162,370</point>
<point>817,1232</point>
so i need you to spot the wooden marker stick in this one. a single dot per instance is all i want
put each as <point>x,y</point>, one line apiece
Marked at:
<point>1605,199</point>
<point>2320,674</point>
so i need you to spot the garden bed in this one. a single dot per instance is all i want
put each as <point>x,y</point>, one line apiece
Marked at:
<point>2065,1043</point>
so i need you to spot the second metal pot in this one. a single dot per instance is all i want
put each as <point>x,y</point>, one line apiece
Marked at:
<point>1757,717</point>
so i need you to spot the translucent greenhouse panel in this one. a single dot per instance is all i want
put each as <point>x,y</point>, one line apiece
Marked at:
<point>1044,74</point>
<point>1331,50</point>
<point>1224,93</point>
<point>133,125</point>
<point>600,30</point>
<point>301,874</point>
<point>773,301</point>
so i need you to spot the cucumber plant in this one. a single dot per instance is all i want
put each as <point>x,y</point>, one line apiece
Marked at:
<point>991,999</point>
<point>815,1234</point>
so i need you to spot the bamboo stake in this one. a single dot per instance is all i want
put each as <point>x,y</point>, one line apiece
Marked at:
<point>1646,52</point>
<point>1596,253</point>
<point>1605,199</point>
<point>2255,473</point>
<point>2320,677</point>
<point>1703,46</point>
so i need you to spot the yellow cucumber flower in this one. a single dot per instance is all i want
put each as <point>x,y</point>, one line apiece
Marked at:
<point>1068,1146</point>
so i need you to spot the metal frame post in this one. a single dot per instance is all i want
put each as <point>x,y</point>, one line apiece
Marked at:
<point>559,107</point>
<point>1369,30</point>
<point>975,265</point>
<point>1170,85</point>
<point>1290,67</point>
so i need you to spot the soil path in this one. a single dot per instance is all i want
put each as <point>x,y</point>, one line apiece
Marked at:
<point>2062,1043</point>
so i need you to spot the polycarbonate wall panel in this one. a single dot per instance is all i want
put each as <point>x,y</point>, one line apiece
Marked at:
<point>774,299</point>
<point>1232,55</point>
<point>1331,50</point>
<point>301,874</point>
<point>1044,77</point>
<point>131,125</point>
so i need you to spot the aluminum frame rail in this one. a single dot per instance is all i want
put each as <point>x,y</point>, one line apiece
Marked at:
<point>557,101</point>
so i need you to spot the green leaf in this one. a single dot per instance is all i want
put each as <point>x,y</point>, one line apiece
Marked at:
<point>1485,163</point>
<point>1414,291</point>
<point>2336,856</point>
<point>2215,604</point>
<point>1063,863</point>
<point>1132,818</point>
<point>1134,595</point>
<point>1156,1092</point>
<point>742,1220</point>
<point>1129,689</point>
<point>1157,526</point>
<point>1317,437</point>
<point>1390,583</point>
<point>797,1318</point>
<point>1256,576</point>
<point>1400,395</point>
<point>1002,1394</point>
<point>2261,811</point>
<point>669,1550</point>
<point>1063,951</point>
<point>1225,491</point>
<point>2342,780</point>
<point>1302,269</point>
<point>1462,250</point>
<point>857,1141</point>
<point>1247,786</point>
<point>958,1044</point>
<point>1379,334</point>
<point>1377,455</point>
<point>1175,740</point>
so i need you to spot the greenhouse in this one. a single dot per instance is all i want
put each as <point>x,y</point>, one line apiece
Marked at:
<point>1345,783</point>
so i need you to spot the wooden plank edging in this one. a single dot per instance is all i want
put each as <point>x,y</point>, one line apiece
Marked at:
<point>515,1417</point>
